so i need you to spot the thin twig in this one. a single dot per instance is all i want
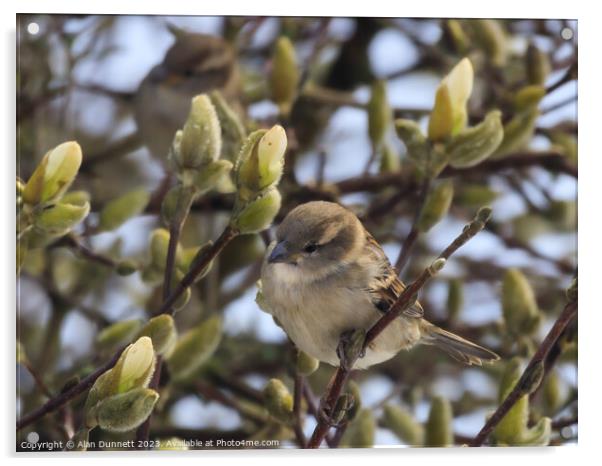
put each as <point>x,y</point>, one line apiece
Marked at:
<point>297,419</point>
<point>63,398</point>
<point>71,242</point>
<point>524,385</point>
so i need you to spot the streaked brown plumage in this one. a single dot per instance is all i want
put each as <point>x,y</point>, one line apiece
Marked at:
<point>326,275</point>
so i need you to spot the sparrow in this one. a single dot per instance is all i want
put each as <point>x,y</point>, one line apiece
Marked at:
<point>325,275</point>
<point>194,64</point>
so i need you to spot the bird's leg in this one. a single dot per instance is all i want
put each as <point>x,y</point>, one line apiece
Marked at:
<point>351,347</point>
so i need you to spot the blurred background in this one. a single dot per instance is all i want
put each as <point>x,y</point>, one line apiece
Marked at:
<point>121,86</point>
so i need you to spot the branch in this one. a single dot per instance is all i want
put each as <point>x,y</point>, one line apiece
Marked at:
<point>63,398</point>
<point>297,420</point>
<point>404,301</point>
<point>71,242</point>
<point>530,375</point>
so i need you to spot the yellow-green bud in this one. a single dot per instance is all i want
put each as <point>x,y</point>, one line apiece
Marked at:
<point>528,97</point>
<point>258,214</point>
<point>233,130</point>
<point>403,425</point>
<point>437,265</point>
<point>416,144</point>
<point>563,214</point>
<point>209,176</point>
<point>119,210</point>
<point>176,204</point>
<point>118,333</point>
<point>538,435</point>
<point>473,145</point>
<point>475,195</point>
<point>126,411</point>
<point>135,365</point>
<point>520,310</point>
<point>449,113</point>
<point>306,364</point>
<point>353,390</point>
<point>194,348</point>
<point>126,267</point>
<point>59,219</point>
<point>538,65</point>
<point>361,431</point>
<point>278,400</point>
<point>379,114</point>
<point>260,162</point>
<point>455,298</point>
<point>439,431</point>
<point>389,159</point>
<point>76,198</point>
<point>492,38</point>
<point>457,35</point>
<point>566,144</point>
<point>201,139</point>
<point>510,428</point>
<point>159,244</point>
<point>54,174</point>
<point>285,76</point>
<point>436,205</point>
<point>517,132</point>
<point>162,331</point>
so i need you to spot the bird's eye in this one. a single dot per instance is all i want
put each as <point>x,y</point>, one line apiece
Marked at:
<point>311,247</point>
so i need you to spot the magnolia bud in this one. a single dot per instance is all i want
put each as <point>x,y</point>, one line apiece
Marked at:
<point>194,348</point>
<point>439,431</point>
<point>403,425</point>
<point>492,38</point>
<point>379,114</point>
<point>473,145</point>
<point>54,174</point>
<point>261,161</point>
<point>285,76</point>
<point>455,298</point>
<point>436,205</point>
<point>162,331</point>
<point>159,244</point>
<point>389,160</point>
<point>201,139</point>
<point>416,144</point>
<point>119,210</point>
<point>361,431</point>
<point>210,175</point>
<point>520,310</point>
<point>528,97</point>
<point>126,267</point>
<point>118,333</point>
<point>538,65</point>
<point>449,114</point>
<point>510,428</point>
<point>306,364</point>
<point>76,198</point>
<point>135,365</point>
<point>126,411</point>
<point>258,214</point>
<point>278,400</point>
<point>176,204</point>
<point>233,130</point>
<point>456,34</point>
<point>517,132</point>
<point>59,219</point>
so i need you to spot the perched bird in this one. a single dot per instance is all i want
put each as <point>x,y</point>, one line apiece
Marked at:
<point>325,275</point>
<point>194,64</point>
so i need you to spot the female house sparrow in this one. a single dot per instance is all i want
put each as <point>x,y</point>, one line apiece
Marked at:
<point>326,275</point>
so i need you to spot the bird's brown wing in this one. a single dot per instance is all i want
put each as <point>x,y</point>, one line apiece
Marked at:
<point>386,286</point>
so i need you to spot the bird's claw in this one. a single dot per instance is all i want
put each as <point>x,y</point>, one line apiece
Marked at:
<point>351,347</point>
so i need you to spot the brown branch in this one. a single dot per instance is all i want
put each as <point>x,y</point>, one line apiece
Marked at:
<point>404,301</point>
<point>408,243</point>
<point>297,418</point>
<point>71,242</point>
<point>525,384</point>
<point>63,398</point>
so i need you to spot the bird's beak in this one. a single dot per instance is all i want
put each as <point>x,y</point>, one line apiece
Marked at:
<point>279,254</point>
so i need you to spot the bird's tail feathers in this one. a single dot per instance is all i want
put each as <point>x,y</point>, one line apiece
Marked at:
<point>457,347</point>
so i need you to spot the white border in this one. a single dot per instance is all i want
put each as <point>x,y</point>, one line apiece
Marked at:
<point>590,119</point>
